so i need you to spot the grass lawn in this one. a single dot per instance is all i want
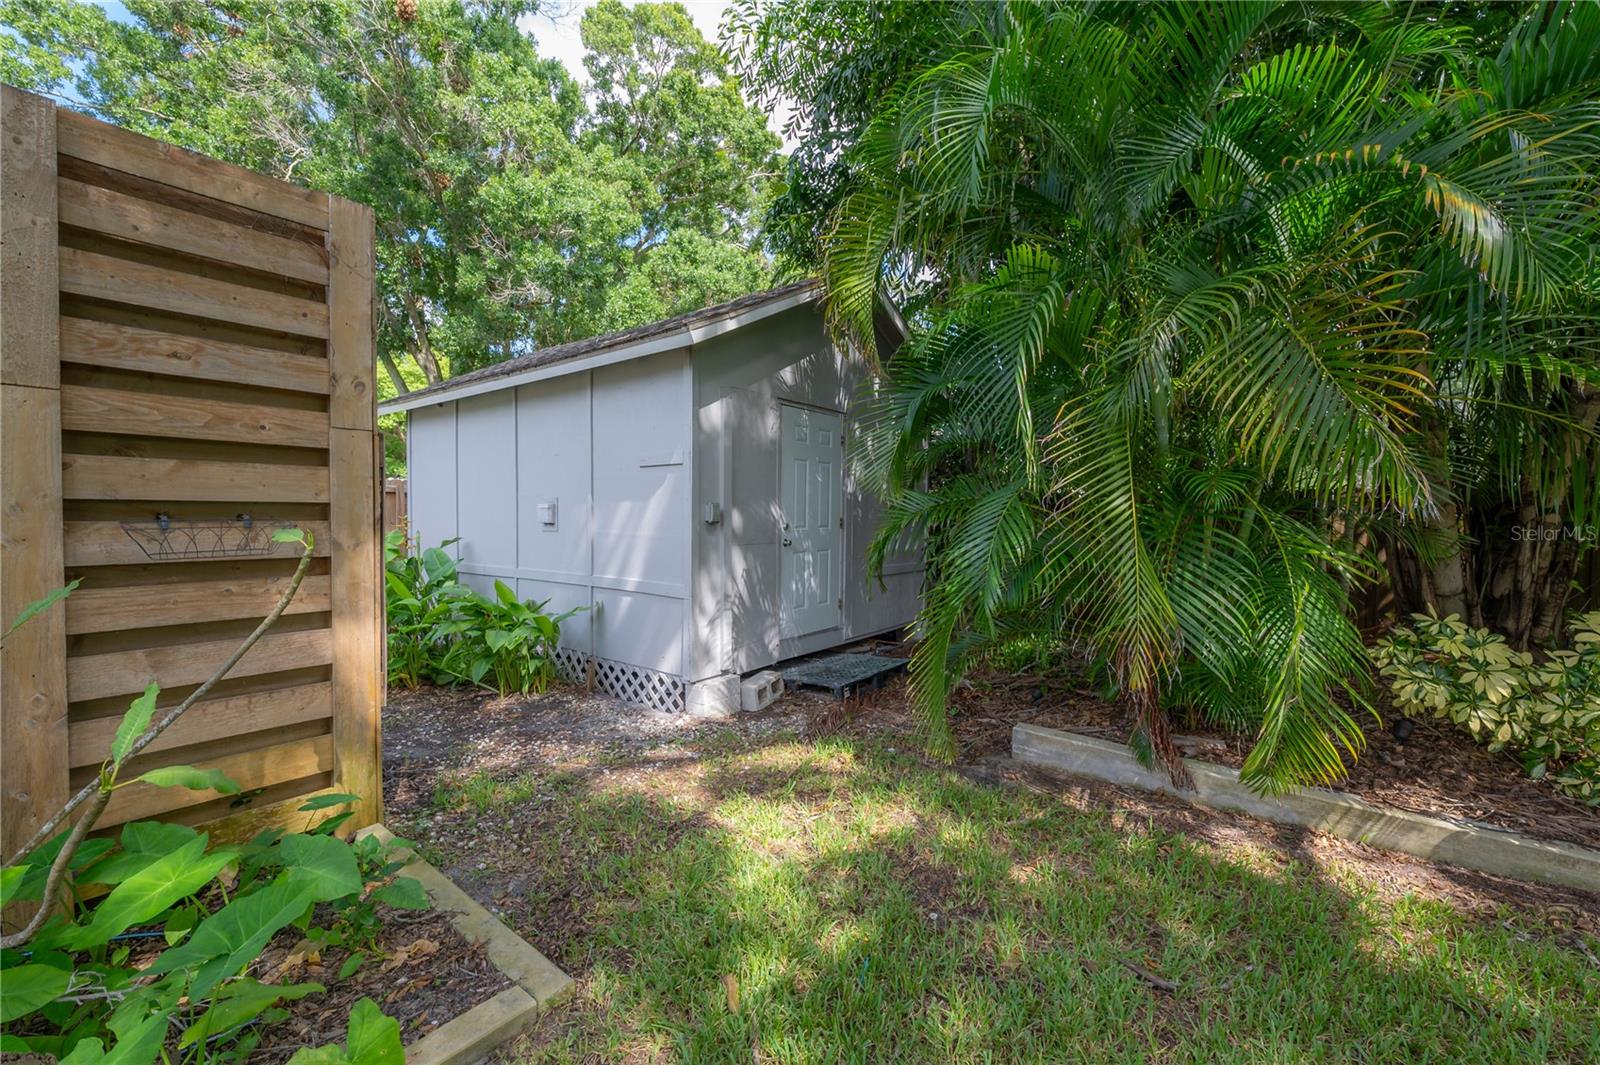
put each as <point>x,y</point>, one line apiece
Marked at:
<point>838,900</point>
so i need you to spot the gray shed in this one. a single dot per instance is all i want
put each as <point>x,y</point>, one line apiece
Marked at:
<point>687,481</point>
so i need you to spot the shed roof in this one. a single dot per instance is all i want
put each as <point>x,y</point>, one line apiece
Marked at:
<point>665,335</point>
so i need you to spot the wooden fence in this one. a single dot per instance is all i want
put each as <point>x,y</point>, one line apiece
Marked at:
<point>186,353</point>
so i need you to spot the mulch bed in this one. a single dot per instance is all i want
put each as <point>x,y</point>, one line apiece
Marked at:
<point>424,974</point>
<point>1438,770</point>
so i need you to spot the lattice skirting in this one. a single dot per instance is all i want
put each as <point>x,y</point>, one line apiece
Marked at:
<point>635,684</point>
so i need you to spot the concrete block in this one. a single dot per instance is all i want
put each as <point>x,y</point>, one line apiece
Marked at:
<point>713,697</point>
<point>760,691</point>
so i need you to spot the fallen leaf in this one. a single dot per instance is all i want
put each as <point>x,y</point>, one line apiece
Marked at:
<point>730,984</point>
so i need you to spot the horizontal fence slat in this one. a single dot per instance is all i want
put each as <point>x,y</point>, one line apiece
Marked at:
<point>105,277</point>
<point>127,347</point>
<point>118,149</point>
<point>249,769</point>
<point>119,477</point>
<point>107,543</point>
<point>159,226</point>
<point>91,609</point>
<point>111,410</point>
<point>127,672</point>
<point>89,742</point>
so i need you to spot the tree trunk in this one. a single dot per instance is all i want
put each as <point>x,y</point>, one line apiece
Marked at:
<point>421,349</point>
<point>1447,575</point>
<point>393,370</point>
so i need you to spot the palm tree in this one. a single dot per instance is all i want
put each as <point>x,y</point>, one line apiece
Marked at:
<point>1209,295</point>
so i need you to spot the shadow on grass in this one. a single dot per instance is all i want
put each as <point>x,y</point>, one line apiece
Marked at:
<point>835,901</point>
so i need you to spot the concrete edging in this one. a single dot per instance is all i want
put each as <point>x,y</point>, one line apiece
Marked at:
<point>537,984</point>
<point>1474,846</point>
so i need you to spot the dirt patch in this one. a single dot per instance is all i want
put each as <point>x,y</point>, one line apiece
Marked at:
<point>423,974</point>
<point>524,861</point>
<point>1438,770</point>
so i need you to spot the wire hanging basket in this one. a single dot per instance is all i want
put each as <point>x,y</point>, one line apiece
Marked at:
<point>165,538</point>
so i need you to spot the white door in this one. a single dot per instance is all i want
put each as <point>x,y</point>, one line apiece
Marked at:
<point>812,491</point>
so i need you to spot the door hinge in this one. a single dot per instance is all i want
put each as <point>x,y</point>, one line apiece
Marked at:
<point>841,521</point>
<point>841,602</point>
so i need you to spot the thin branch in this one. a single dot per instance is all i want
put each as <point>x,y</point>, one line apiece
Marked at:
<point>50,827</point>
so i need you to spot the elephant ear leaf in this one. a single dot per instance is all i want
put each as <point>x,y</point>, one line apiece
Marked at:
<point>325,864</point>
<point>187,776</point>
<point>150,892</point>
<point>233,936</point>
<point>373,1039</point>
<point>134,722</point>
<point>30,986</point>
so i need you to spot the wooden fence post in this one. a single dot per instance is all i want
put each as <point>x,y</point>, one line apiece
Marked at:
<point>357,592</point>
<point>33,666</point>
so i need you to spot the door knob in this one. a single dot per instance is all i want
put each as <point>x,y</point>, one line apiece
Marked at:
<point>787,542</point>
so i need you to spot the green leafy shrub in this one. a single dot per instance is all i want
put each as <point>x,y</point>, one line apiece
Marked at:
<point>440,629</point>
<point>74,992</point>
<point>1548,712</point>
<point>510,642</point>
<point>421,593</point>
<point>71,986</point>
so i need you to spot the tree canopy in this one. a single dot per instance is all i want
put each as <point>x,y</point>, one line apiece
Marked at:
<point>515,207</point>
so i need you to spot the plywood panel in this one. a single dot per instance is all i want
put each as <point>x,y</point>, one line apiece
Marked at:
<point>115,609</point>
<point>127,347</point>
<point>118,149</point>
<point>156,225</point>
<point>107,543</point>
<point>127,672</point>
<point>119,477</point>
<point>105,277</point>
<point>250,770</point>
<point>213,719</point>
<point>111,410</point>
<point>33,781</point>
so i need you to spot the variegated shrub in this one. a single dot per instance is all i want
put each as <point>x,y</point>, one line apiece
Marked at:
<point>1547,711</point>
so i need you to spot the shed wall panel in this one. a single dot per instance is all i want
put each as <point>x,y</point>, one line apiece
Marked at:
<point>641,489</point>
<point>486,498</point>
<point>553,468</point>
<point>431,471</point>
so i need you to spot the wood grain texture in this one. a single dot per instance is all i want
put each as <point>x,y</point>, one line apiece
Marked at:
<point>249,769</point>
<point>117,609</point>
<point>118,149</point>
<point>127,672</point>
<point>28,281</point>
<point>357,590</point>
<point>213,719</point>
<point>354,396</point>
<point>33,679</point>
<point>159,226</point>
<point>128,347</point>
<point>120,477</point>
<point>33,723</point>
<point>105,277</point>
<point>107,543</point>
<point>112,410</point>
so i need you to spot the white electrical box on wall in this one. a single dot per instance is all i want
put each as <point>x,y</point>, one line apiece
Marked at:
<point>547,514</point>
